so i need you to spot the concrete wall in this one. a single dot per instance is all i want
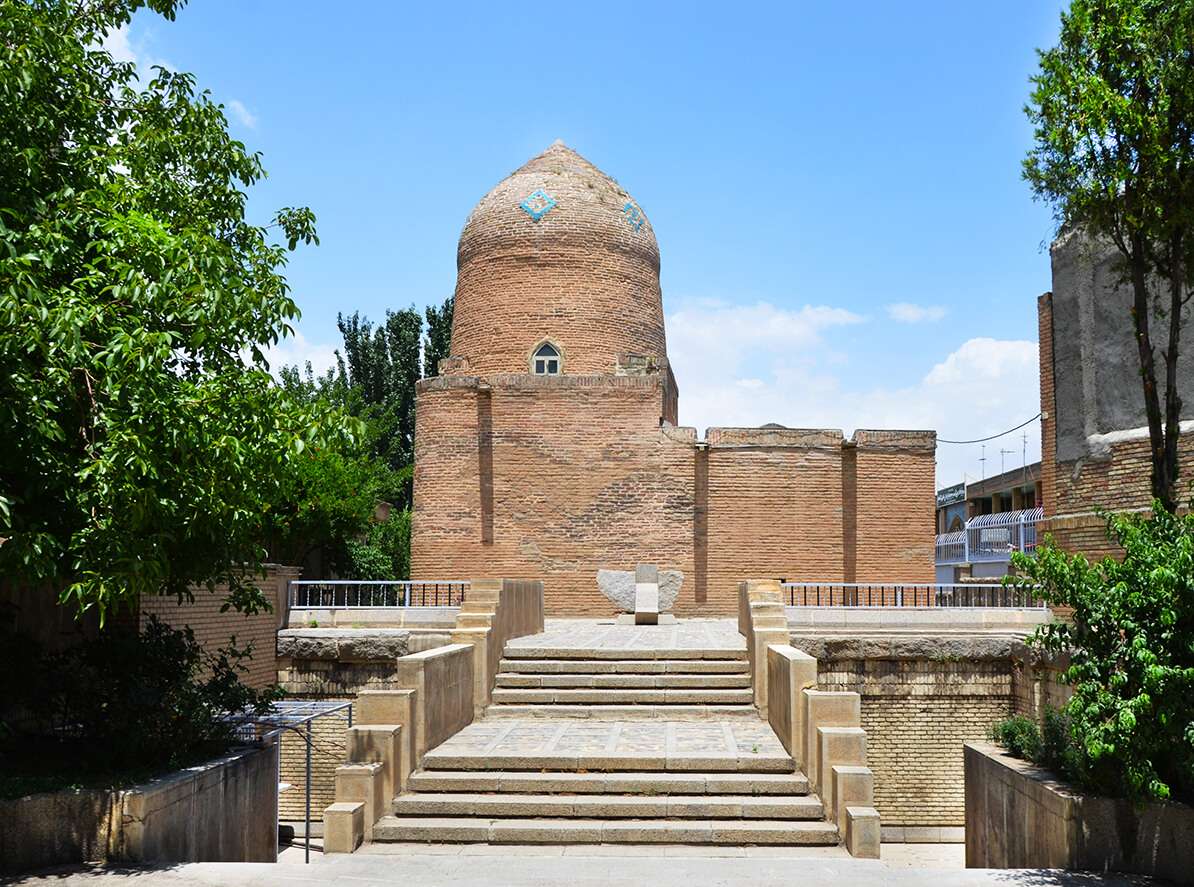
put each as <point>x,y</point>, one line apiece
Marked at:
<point>1096,363</point>
<point>1020,816</point>
<point>555,478</point>
<point>1094,441</point>
<point>220,811</point>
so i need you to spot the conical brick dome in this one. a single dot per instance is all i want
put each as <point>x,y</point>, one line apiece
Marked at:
<point>558,252</point>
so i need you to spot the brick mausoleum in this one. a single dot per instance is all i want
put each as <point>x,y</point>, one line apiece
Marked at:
<point>548,448</point>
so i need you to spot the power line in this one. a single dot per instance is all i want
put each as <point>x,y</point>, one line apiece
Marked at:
<point>993,436</point>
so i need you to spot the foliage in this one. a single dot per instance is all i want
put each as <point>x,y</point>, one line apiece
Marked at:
<point>1131,647</point>
<point>157,700</point>
<point>325,501</point>
<point>437,344</point>
<point>143,435</point>
<point>1020,736</point>
<point>1052,747</point>
<point>1113,110</point>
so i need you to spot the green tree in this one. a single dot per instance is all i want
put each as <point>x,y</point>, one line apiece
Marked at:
<point>381,364</point>
<point>437,344</point>
<point>144,438</point>
<point>1130,643</point>
<point>1113,109</point>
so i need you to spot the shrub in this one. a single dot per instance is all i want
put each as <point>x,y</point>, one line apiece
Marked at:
<point>1131,646</point>
<point>1020,736</point>
<point>126,702</point>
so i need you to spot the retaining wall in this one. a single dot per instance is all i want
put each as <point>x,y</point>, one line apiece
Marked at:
<point>1020,816</point>
<point>221,811</point>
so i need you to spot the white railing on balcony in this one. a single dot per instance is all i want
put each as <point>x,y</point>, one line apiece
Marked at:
<point>333,594</point>
<point>991,537</point>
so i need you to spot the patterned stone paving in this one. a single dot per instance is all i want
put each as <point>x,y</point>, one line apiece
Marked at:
<point>591,634</point>
<point>538,737</point>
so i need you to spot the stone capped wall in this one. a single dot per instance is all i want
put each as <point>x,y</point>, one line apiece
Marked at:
<point>919,709</point>
<point>555,478</point>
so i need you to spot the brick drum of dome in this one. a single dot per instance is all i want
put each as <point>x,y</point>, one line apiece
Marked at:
<point>583,276</point>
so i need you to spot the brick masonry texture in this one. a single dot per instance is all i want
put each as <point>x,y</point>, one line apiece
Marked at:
<point>214,629</point>
<point>583,276</point>
<point>556,477</point>
<point>917,714</point>
<point>1072,490</point>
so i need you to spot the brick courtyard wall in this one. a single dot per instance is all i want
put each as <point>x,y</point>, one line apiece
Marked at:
<point>555,478</point>
<point>894,511</point>
<point>214,629</point>
<point>774,509</point>
<point>917,713</point>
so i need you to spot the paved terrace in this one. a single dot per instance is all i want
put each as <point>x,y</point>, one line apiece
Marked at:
<point>549,743</point>
<point>687,639</point>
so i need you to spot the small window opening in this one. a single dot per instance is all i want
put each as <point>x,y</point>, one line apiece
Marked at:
<point>547,360</point>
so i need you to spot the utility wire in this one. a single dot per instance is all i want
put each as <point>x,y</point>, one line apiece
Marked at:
<point>993,436</point>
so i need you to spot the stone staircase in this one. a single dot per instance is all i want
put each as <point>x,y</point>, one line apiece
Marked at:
<point>604,745</point>
<point>676,682</point>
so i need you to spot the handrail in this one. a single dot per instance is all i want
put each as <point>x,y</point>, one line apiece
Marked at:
<point>333,594</point>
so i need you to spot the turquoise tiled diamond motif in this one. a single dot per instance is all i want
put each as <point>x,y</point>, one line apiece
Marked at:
<point>537,204</point>
<point>633,215</point>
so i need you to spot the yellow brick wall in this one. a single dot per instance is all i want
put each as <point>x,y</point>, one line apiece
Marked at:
<point>917,714</point>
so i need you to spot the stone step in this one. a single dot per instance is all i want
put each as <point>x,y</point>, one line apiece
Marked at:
<point>467,829</point>
<point>625,666</point>
<point>529,651</point>
<point>609,806</point>
<point>628,712</point>
<point>622,783</point>
<point>746,762</point>
<point>625,681</point>
<point>610,697</point>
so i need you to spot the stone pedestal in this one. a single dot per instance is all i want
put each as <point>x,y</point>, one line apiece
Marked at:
<point>646,594</point>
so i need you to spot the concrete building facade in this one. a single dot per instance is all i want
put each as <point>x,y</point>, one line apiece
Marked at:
<point>548,448</point>
<point>1094,434</point>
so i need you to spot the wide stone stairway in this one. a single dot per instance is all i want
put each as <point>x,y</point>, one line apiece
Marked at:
<point>601,733</point>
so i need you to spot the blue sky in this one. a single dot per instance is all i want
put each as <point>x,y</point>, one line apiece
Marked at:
<point>845,237</point>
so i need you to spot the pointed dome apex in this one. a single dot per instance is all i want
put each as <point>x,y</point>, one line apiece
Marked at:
<point>561,249</point>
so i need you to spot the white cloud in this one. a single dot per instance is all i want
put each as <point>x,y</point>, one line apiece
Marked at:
<point>122,48</point>
<point>297,351</point>
<point>908,312</point>
<point>241,113</point>
<point>753,364</point>
<point>117,43</point>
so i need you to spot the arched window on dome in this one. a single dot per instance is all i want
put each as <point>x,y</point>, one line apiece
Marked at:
<point>546,360</point>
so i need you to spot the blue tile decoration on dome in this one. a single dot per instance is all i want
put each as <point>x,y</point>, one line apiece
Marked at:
<point>537,204</point>
<point>633,215</point>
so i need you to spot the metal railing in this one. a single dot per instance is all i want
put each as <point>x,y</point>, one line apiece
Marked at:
<point>331,594</point>
<point>908,594</point>
<point>991,537</point>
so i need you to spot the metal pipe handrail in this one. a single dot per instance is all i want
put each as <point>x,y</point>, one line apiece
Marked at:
<point>910,594</point>
<point>335,594</point>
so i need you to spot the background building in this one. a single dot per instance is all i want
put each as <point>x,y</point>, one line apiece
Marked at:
<point>547,447</point>
<point>1094,433</point>
<point>979,525</point>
